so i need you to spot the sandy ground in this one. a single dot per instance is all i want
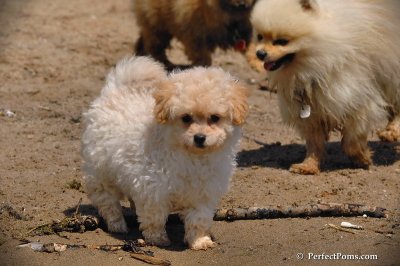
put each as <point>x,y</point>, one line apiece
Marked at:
<point>53,59</point>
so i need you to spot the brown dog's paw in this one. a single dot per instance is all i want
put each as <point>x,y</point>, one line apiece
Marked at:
<point>308,167</point>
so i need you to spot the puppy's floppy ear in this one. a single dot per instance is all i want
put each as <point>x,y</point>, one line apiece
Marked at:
<point>239,103</point>
<point>162,96</point>
<point>309,5</point>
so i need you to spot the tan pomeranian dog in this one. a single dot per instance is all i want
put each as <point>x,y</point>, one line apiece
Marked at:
<point>336,66</point>
<point>201,25</point>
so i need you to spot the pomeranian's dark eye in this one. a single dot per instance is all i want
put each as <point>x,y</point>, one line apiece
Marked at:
<point>214,118</point>
<point>187,119</point>
<point>280,42</point>
<point>259,37</point>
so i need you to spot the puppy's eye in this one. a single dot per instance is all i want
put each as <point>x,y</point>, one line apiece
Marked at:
<point>259,37</point>
<point>280,42</point>
<point>187,119</point>
<point>214,119</point>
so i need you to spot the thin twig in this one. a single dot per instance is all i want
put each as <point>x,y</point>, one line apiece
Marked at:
<point>150,259</point>
<point>77,207</point>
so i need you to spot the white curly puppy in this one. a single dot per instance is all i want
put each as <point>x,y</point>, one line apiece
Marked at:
<point>165,142</point>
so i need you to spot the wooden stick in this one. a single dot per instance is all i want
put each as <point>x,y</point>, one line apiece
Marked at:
<point>311,210</point>
<point>150,259</point>
<point>79,223</point>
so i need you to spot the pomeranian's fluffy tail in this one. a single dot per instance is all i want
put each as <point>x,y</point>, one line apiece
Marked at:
<point>135,72</point>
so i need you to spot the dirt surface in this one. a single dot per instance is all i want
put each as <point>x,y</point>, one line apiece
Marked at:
<point>53,59</point>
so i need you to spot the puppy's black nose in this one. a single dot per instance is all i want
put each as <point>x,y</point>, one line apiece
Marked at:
<point>261,54</point>
<point>199,140</point>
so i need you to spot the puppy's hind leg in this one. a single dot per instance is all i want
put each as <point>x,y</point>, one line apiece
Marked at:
<point>108,205</point>
<point>392,131</point>
<point>316,137</point>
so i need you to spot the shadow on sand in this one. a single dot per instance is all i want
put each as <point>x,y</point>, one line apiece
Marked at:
<point>175,227</point>
<point>282,156</point>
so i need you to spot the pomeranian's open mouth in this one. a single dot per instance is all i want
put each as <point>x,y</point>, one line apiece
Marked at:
<point>275,65</point>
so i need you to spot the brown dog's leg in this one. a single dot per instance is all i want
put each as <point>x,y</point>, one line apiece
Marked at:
<point>154,44</point>
<point>200,58</point>
<point>392,131</point>
<point>315,144</point>
<point>356,147</point>
<point>198,53</point>
<point>139,47</point>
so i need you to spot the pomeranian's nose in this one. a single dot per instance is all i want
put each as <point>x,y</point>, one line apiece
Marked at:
<point>261,54</point>
<point>199,140</point>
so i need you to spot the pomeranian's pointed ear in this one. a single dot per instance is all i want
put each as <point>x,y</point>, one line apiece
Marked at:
<point>239,102</point>
<point>309,5</point>
<point>162,96</point>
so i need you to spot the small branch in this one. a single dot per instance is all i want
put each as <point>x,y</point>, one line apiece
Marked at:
<point>77,208</point>
<point>311,210</point>
<point>82,223</point>
<point>340,229</point>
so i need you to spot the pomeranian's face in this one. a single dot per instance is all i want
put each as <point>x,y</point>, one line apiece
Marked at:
<point>274,51</point>
<point>282,31</point>
<point>199,110</point>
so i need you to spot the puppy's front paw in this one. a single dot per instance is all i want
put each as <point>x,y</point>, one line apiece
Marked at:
<point>117,226</point>
<point>156,238</point>
<point>202,243</point>
<point>305,168</point>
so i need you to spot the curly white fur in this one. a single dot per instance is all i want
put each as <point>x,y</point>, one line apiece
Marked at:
<point>131,153</point>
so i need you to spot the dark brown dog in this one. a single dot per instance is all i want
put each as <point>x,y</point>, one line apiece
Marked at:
<point>201,25</point>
